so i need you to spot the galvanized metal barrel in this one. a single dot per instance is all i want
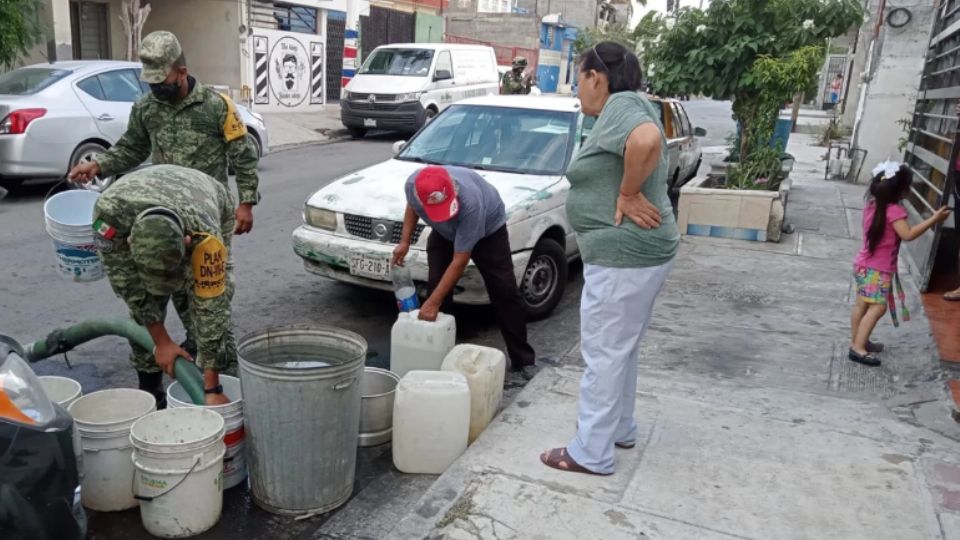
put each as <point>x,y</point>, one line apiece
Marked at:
<point>301,392</point>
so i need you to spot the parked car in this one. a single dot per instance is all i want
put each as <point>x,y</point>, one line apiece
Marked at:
<point>683,148</point>
<point>520,144</point>
<point>400,87</point>
<point>53,116</point>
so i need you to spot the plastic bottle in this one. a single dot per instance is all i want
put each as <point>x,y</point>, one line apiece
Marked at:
<point>404,289</point>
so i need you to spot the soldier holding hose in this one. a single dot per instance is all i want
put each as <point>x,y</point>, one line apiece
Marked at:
<point>165,230</point>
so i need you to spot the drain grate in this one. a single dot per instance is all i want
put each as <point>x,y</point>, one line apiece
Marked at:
<point>851,377</point>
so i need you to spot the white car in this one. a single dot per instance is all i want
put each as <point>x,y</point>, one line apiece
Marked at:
<point>53,116</point>
<point>520,144</point>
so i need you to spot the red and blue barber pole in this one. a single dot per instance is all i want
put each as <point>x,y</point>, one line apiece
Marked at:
<point>350,43</point>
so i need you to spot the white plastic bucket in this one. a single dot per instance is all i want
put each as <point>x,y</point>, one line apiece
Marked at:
<point>69,222</point>
<point>103,419</point>
<point>64,392</point>
<point>235,460</point>
<point>178,457</point>
<point>61,390</point>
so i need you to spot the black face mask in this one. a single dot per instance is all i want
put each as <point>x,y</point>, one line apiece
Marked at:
<point>166,91</point>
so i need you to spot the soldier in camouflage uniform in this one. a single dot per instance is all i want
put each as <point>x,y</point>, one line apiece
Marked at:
<point>184,123</point>
<point>515,81</point>
<point>166,229</point>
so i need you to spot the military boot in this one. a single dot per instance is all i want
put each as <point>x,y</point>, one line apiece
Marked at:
<point>153,383</point>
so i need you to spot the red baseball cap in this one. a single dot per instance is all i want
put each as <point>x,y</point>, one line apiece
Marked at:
<point>437,193</point>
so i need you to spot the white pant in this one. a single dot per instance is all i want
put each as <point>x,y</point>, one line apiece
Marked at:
<point>614,313</point>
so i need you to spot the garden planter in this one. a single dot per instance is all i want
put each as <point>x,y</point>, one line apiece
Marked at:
<point>732,213</point>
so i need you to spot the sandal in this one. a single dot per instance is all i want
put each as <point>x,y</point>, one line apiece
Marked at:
<point>868,359</point>
<point>560,460</point>
<point>952,296</point>
<point>875,347</point>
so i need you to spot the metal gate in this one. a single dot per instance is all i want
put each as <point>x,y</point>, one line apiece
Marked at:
<point>835,64</point>
<point>90,29</point>
<point>931,147</point>
<point>385,26</point>
<point>336,27</point>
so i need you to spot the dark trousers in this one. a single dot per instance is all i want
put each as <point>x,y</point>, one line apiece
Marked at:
<point>494,261</point>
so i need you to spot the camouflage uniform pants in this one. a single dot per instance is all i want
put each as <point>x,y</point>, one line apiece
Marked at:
<point>224,357</point>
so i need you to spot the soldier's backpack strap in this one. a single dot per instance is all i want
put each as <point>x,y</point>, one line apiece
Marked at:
<point>233,126</point>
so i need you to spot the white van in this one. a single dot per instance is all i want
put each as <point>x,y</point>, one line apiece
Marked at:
<point>401,86</point>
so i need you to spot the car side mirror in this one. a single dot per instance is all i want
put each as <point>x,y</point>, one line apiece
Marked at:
<point>699,132</point>
<point>442,75</point>
<point>398,147</point>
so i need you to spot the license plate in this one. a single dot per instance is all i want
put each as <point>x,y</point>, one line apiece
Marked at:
<point>369,122</point>
<point>369,267</point>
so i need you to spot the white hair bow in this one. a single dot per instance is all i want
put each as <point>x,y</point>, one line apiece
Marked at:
<point>888,168</point>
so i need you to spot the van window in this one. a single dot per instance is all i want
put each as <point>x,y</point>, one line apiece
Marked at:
<point>444,63</point>
<point>404,62</point>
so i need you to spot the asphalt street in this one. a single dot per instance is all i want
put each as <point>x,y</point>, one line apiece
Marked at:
<point>273,289</point>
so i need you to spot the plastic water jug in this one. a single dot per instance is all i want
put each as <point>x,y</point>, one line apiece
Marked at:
<point>416,344</point>
<point>484,369</point>
<point>404,289</point>
<point>431,421</point>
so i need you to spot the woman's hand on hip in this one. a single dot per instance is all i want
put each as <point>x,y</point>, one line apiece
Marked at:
<point>641,211</point>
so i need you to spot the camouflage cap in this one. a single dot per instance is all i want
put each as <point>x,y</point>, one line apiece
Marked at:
<point>157,248</point>
<point>158,52</point>
<point>519,62</point>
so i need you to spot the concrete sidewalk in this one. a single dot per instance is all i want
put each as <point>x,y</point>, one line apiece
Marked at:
<point>289,130</point>
<point>754,424</point>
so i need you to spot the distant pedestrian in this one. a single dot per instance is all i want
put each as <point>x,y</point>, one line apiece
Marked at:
<point>875,267</point>
<point>620,209</point>
<point>836,87</point>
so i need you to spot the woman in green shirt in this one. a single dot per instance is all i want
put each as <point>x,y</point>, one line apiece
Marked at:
<point>619,207</point>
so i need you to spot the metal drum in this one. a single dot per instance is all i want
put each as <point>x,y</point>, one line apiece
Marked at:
<point>301,392</point>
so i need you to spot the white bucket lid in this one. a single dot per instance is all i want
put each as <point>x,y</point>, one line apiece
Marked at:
<point>172,431</point>
<point>113,410</point>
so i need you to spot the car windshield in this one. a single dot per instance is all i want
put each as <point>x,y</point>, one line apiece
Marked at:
<point>26,81</point>
<point>404,62</point>
<point>527,141</point>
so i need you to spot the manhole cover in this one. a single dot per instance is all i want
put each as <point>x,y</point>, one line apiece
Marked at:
<point>851,377</point>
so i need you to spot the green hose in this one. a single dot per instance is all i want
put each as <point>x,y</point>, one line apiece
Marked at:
<point>61,341</point>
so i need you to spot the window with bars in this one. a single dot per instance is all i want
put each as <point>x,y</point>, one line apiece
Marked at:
<point>295,18</point>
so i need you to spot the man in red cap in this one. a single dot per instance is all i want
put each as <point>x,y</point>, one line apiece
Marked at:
<point>469,221</point>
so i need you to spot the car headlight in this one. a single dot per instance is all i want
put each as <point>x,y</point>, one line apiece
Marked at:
<point>320,218</point>
<point>412,96</point>
<point>22,398</point>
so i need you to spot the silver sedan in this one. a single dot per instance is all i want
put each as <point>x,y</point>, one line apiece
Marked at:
<point>54,116</point>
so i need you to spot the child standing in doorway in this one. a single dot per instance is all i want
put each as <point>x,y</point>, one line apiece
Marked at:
<point>875,268</point>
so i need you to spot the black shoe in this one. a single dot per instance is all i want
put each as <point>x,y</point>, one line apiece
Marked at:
<point>153,383</point>
<point>868,359</point>
<point>874,347</point>
<point>525,372</point>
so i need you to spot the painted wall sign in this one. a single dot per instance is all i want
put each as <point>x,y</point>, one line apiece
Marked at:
<point>289,70</point>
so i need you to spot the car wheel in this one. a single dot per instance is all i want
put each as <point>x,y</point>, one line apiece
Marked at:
<point>545,279</point>
<point>254,141</point>
<point>86,153</point>
<point>357,133</point>
<point>429,114</point>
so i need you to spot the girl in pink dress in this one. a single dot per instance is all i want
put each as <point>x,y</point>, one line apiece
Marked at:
<point>875,268</point>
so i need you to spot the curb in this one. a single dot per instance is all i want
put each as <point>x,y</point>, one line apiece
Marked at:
<point>334,138</point>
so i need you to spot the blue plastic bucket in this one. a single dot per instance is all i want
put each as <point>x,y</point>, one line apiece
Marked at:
<point>69,222</point>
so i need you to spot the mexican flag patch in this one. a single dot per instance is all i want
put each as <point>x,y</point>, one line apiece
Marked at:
<point>104,229</point>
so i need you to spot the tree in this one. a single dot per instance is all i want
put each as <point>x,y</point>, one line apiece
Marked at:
<point>21,28</point>
<point>133,17</point>
<point>614,32</point>
<point>714,51</point>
